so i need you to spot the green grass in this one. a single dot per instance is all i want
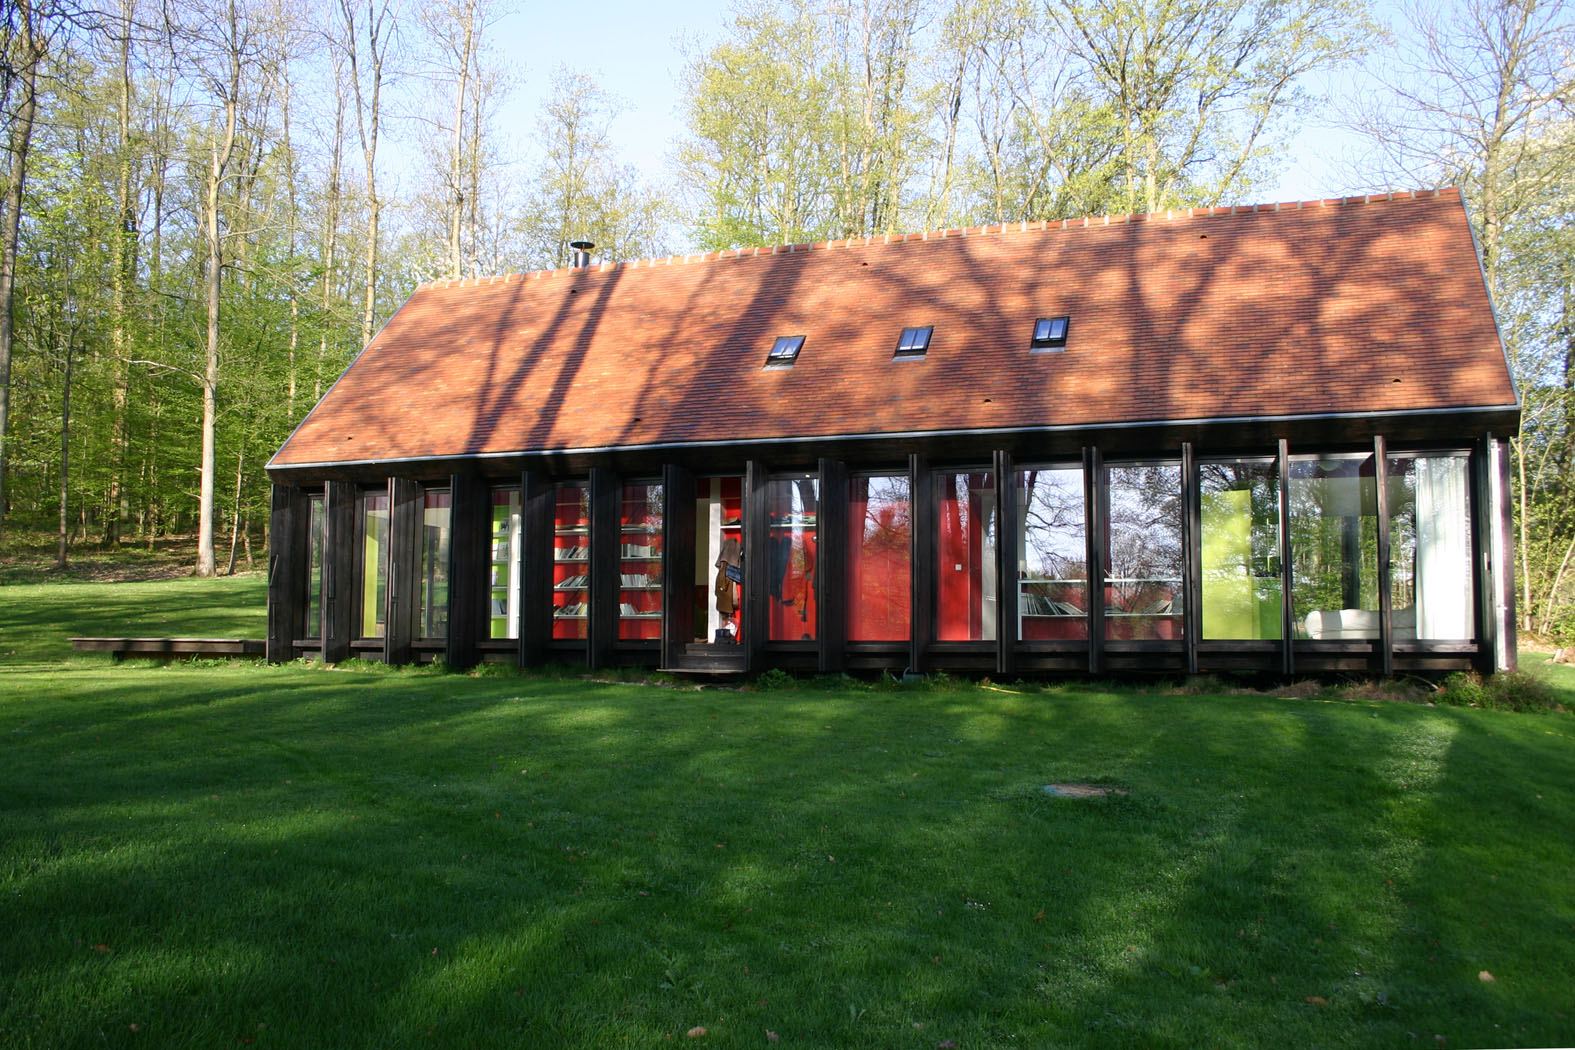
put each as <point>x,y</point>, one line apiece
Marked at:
<point>208,855</point>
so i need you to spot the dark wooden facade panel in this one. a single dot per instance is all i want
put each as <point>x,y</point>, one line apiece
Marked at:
<point>831,573</point>
<point>287,564</point>
<point>469,546</point>
<point>339,569</point>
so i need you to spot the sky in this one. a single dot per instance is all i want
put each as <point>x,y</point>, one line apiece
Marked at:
<point>635,50</point>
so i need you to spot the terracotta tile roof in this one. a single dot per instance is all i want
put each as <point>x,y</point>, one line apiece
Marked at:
<point>1361,305</point>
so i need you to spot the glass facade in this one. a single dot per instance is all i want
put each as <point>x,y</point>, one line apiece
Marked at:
<point>1143,584</point>
<point>317,525</point>
<point>880,554</point>
<point>1431,584</point>
<point>432,603</point>
<point>374,564</point>
<point>1240,517</point>
<point>571,563</point>
<point>503,593</point>
<point>640,563</point>
<point>1334,547</point>
<point>793,511</point>
<point>1052,555</point>
<point>719,560</point>
<point>965,583</point>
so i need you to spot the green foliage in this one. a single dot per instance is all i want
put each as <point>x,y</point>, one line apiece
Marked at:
<point>775,679</point>
<point>1504,691</point>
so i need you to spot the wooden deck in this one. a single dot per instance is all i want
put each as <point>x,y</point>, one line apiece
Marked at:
<point>171,648</point>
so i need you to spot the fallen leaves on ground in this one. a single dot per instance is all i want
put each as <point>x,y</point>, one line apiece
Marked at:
<point>696,1032</point>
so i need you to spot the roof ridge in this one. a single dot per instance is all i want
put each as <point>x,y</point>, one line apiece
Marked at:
<point>1022,226</point>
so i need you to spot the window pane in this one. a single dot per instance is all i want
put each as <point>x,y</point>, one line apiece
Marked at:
<point>503,598</point>
<point>880,544</point>
<point>1143,590</point>
<point>1430,566</point>
<point>966,585</point>
<point>793,505</point>
<point>1241,549</point>
<point>719,560</point>
<point>374,564</point>
<point>640,563</point>
<point>432,604</point>
<point>571,543</point>
<point>1052,555</point>
<point>317,523</point>
<point>1334,547</point>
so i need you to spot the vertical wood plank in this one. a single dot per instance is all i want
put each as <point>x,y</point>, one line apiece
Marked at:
<point>404,568</point>
<point>1096,495</point>
<point>537,499</point>
<point>1386,632</point>
<point>339,569</point>
<point>921,614</point>
<point>606,496</point>
<point>831,566</point>
<point>1007,531</point>
<point>757,558</point>
<point>1503,557</point>
<point>287,557</point>
<point>1192,555</point>
<point>678,563</point>
<point>1287,569</point>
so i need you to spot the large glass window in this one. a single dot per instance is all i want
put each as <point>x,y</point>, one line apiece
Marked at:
<point>374,564</point>
<point>432,603</point>
<point>1241,548</point>
<point>316,526</point>
<point>1143,588</point>
<point>880,550</point>
<point>719,560</point>
<point>640,563</point>
<point>1430,563</point>
<point>1052,555</point>
<point>571,561</point>
<point>965,552</point>
<point>793,506</point>
<point>503,597</point>
<point>1334,547</point>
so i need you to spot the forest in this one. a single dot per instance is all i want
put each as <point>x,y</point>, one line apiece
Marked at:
<point>207,208</point>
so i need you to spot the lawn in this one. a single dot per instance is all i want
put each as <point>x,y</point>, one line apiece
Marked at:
<point>209,855</point>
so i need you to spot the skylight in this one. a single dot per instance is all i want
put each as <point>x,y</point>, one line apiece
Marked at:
<point>785,350</point>
<point>1050,333</point>
<point>914,341</point>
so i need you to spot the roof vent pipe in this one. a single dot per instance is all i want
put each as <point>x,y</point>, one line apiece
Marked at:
<point>581,256</point>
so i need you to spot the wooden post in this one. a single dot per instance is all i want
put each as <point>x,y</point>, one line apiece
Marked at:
<point>1096,499</point>
<point>757,560</point>
<point>1192,556</point>
<point>1386,633</point>
<point>1501,578</point>
<point>678,563</point>
<point>831,566</point>
<point>1287,573</point>
<point>921,612</point>
<point>405,515</point>
<point>537,500</point>
<point>605,566</point>
<point>469,586</point>
<point>1007,531</point>
<point>288,550</point>
<point>339,569</point>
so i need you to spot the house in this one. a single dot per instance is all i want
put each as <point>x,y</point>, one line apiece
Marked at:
<point>1261,438</point>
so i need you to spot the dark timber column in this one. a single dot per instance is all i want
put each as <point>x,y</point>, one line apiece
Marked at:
<point>286,571</point>
<point>1098,508</point>
<point>606,563</point>
<point>1006,540</point>
<point>757,529</point>
<point>831,565</point>
<point>469,549</point>
<point>921,516</point>
<point>1287,573</point>
<point>404,568</point>
<point>1501,577</point>
<point>339,569</point>
<point>535,539</point>
<point>678,562</point>
<point>1386,633</point>
<point>1192,556</point>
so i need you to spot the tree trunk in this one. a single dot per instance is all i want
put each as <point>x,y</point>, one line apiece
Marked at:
<point>64,538</point>
<point>31,50</point>
<point>235,516</point>
<point>125,265</point>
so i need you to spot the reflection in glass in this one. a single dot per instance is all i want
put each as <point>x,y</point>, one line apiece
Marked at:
<point>1430,568</point>
<point>1240,549</point>
<point>317,524</point>
<point>793,506</point>
<point>374,564</point>
<point>503,595</point>
<point>1052,555</point>
<point>432,602</point>
<point>1143,592</point>
<point>1334,547</point>
<point>966,585</point>
<point>571,562</point>
<point>640,563</point>
<point>880,526</point>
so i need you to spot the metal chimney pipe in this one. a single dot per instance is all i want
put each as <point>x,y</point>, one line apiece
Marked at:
<point>581,258</point>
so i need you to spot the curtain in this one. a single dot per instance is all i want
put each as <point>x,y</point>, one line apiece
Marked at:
<point>1443,549</point>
